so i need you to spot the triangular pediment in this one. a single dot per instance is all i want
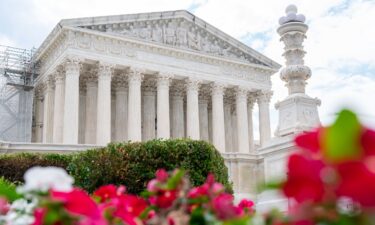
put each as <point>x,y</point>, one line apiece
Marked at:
<point>179,29</point>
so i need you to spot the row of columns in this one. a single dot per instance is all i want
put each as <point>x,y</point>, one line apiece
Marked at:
<point>62,107</point>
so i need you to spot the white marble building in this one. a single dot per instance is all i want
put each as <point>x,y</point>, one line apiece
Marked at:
<point>170,75</point>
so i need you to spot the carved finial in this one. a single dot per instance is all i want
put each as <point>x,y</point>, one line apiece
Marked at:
<point>291,15</point>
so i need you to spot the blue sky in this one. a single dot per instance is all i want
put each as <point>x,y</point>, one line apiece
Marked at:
<point>340,43</point>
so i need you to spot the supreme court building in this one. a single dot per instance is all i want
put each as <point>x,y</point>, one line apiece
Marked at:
<point>171,75</point>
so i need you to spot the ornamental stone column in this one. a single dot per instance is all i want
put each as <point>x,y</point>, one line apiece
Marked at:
<point>103,119</point>
<point>82,112</point>
<point>298,112</point>
<point>58,117</point>
<point>71,110</point>
<point>242,122</point>
<point>192,108</point>
<point>38,114</point>
<point>234,129</point>
<point>149,110</point>
<point>177,114</point>
<point>263,99</point>
<point>218,126</point>
<point>91,107</point>
<point>163,120</point>
<point>134,107</point>
<point>203,118</point>
<point>48,110</point>
<point>228,126</point>
<point>250,106</point>
<point>121,108</point>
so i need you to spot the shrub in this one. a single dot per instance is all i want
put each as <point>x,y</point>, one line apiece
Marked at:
<point>133,164</point>
<point>130,164</point>
<point>13,166</point>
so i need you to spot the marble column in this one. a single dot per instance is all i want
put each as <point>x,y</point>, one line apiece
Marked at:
<point>48,110</point>
<point>234,130</point>
<point>103,119</point>
<point>228,126</point>
<point>263,100</point>
<point>218,126</point>
<point>71,94</point>
<point>242,122</point>
<point>91,108</point>
<point>149,110</point>
<point>177,113</point>
<point>134,105</point>
<point>82,112</point>
<point>250,106</point>
<point>38,115</point>
<point>192,108</point>
<point>203,118</point>
<point>58,117</point>
<point>121,108</point>
<point>163,120</point>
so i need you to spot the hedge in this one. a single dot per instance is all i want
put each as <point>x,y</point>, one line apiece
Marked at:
<point>129,164</point>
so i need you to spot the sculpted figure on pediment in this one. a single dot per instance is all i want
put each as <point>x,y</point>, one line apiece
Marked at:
<point>194,40</point>
<point>145,32</point>
<point>215,48</point>
<point>206,45</point>
<point>157,33</point>
<point>170,36</point>
<point>181,34</point>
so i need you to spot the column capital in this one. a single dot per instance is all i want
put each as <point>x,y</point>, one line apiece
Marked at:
<point>264,96</point>
<point>135,74</point>
<point>193,84</point>
<point>120,82</point>
<point>217,88</point>
<point>251,99</point>
<point>241,93</point>
<point>177,89</point>
<point>164,79</point>
<point>72,64</point>
<point>105,70</point>
<point>149,85</point>
<point>48,83</point>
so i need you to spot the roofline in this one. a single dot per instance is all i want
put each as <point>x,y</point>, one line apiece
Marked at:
<point>86,21</point>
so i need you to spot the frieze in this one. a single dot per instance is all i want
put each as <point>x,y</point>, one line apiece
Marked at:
<point>177,33</point>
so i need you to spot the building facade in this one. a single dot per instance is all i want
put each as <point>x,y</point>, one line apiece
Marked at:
<point>171,75</point>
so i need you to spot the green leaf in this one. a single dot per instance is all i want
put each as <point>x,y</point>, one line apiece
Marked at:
<point>8,190</point>
<point>240,221</point>
<point>341,140</point>
<point>175,179</point>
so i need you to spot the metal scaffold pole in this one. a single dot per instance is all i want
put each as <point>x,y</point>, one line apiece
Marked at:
<point>18,70</point>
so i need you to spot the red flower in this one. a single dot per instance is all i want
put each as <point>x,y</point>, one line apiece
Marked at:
<point>4,206</point>
<point>79,203</point>
<point>304,180</point>
<point>368,142</point>
<point>357,182</point>
<point>224,208</point>
<point>108,192</point>
<point>164,198</point>
<point>39,214</point>
<point>309,141</point>
<point>162,175</point>
<point>198,192</point>
<point>246,206</point>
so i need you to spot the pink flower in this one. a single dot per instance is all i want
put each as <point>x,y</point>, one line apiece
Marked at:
<point>162,175</point>
<point>224,208</point>
<point>79,203</point>
<point>39,214</point>
<point>152,185</point>
<point>246,206</point>
<point>4,206</point>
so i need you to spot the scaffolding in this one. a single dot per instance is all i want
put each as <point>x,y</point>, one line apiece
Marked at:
<point>18,70</point>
